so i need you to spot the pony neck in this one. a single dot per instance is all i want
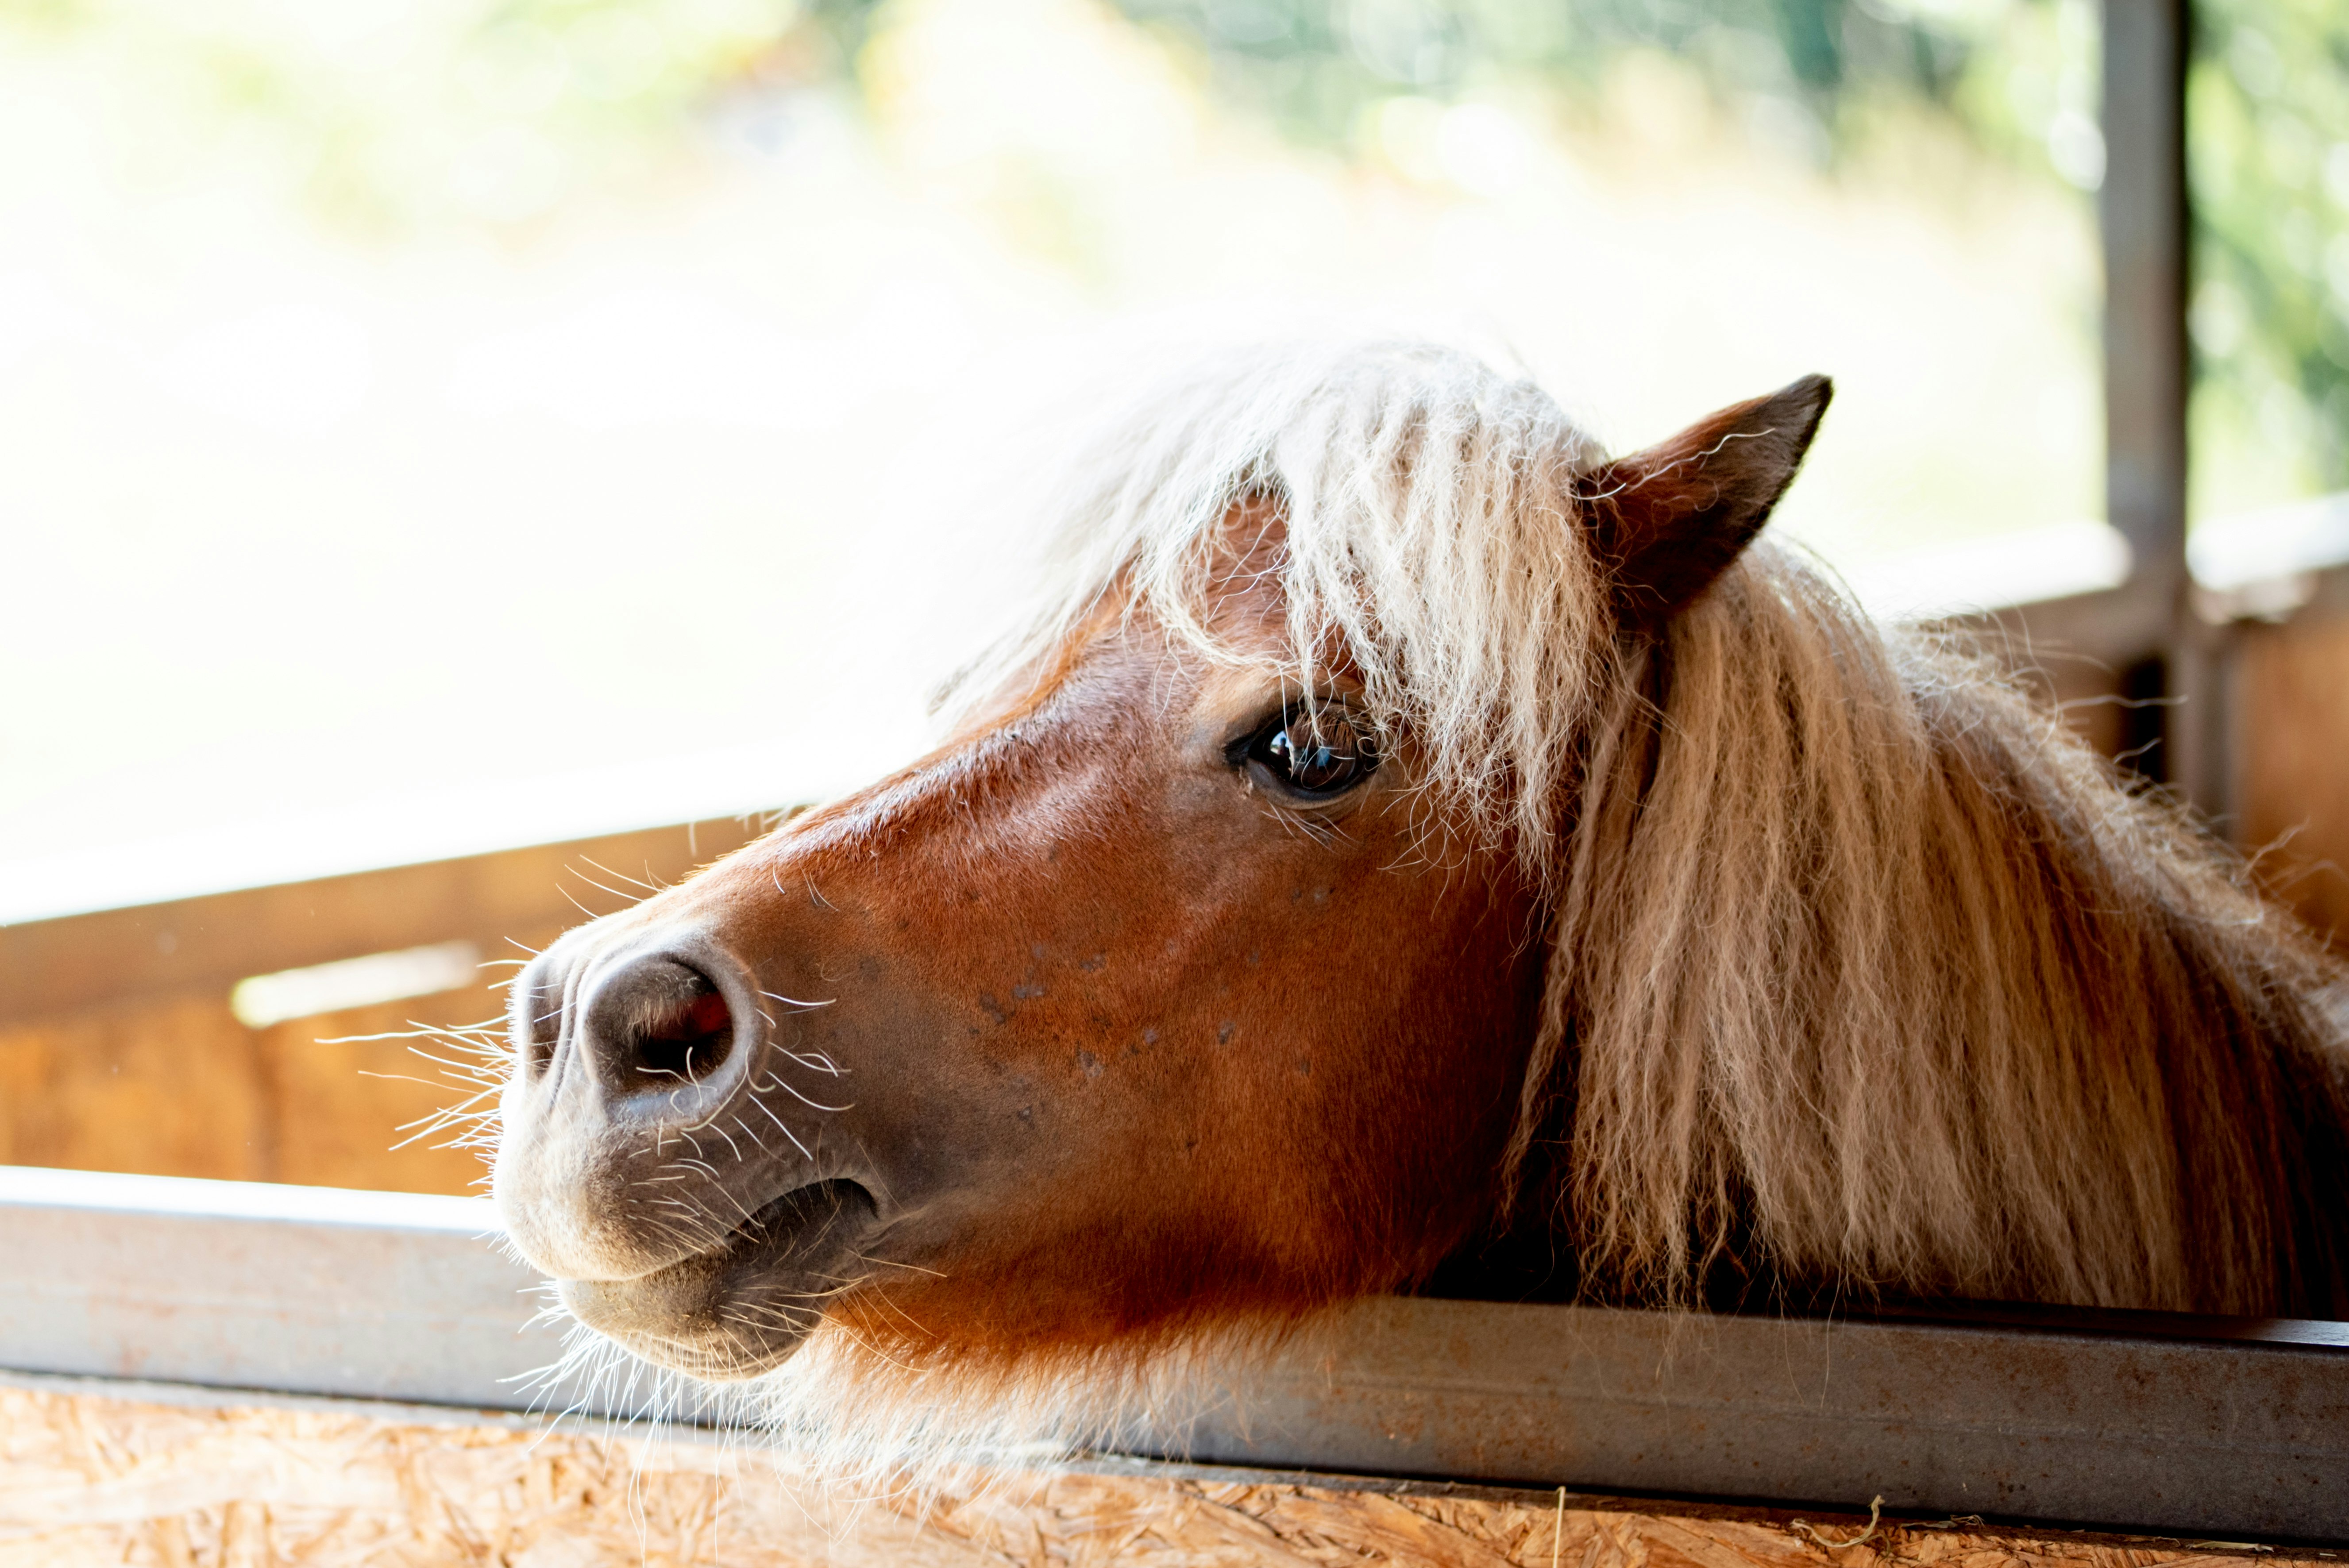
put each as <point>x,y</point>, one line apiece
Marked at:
<point>1868,976</point>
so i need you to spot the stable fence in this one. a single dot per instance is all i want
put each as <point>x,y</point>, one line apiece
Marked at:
<point>2133,1421</point>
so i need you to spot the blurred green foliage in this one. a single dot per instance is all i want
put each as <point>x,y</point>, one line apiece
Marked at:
<point>390,112</point>
<point>1318,64</point>
<point>386,111</point>
<point>392,102</point>
<point>2268,107</point>
<point>2268,154</point>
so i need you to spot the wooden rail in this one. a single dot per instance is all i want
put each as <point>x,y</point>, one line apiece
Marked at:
<point>117,955</point>
<point>119,1052</point>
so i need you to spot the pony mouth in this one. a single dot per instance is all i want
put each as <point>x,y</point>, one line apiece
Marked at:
<point>743,1306</point>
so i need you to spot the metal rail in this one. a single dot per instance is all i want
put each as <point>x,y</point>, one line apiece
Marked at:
<point>2131,1419</point>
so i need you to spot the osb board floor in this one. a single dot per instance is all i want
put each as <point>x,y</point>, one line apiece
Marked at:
<point>97,1478</point>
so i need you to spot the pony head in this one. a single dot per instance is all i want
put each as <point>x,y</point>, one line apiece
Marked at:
<point>1394,817</point>
<point>1197,973</point>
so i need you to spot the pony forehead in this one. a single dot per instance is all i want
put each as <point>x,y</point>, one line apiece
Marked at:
<point>1323,444</point>
<point>1412,508</point>
<point>1344,474</point>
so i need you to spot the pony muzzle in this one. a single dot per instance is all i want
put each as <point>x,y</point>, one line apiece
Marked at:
<point>742,1308</point>
<point>637,1153</point>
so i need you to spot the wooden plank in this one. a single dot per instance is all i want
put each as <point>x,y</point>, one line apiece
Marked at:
<point>2291,692</point>
<point>2281,702</point>
<point>201,945</point>
<point>175,1088</point>
<point>118,1051</point>
<point>2142,212</point>
<point>90,1476</point>
<point>175,1085</point>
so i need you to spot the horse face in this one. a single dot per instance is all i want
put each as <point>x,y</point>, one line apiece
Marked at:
<point>1139,1005</point>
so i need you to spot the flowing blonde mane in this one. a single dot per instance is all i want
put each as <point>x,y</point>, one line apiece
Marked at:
<point>1863,968</point>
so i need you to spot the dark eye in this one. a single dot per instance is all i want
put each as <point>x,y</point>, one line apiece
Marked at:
<point>1326,759</point>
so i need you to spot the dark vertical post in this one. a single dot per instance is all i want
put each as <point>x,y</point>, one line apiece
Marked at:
<point>2144,236</point>
<point>2145,223</point>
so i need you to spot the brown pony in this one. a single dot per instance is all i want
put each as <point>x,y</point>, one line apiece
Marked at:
<point>1405,845</point>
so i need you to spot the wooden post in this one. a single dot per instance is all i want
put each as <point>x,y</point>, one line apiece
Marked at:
<point>2145,221</point>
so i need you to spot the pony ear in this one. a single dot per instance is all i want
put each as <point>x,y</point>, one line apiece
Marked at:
<point>1671,519</point>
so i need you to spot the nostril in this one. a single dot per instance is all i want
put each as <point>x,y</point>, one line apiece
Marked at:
<point>686,1039</point>
<point>658,1024</point>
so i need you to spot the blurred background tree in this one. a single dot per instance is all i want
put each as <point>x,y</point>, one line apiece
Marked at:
<point>420,316</point>
<point>2268,125</point>
<point>2267,156</point>
<point>499,108</point>
<point>532,95</point>
<point>1810,71</point>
